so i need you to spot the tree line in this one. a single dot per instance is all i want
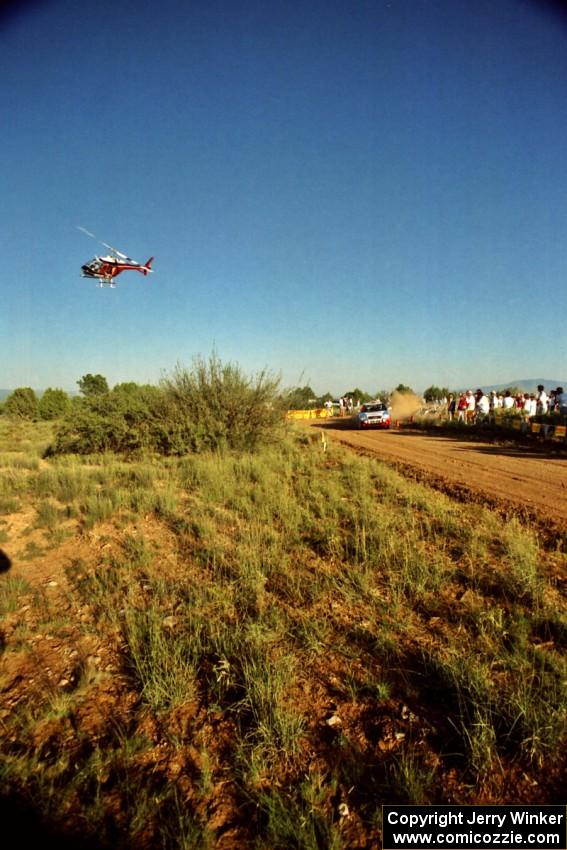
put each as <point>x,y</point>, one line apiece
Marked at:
<point>24,402</point>
<point>211,406</point>
<point>55,403</point>
<point>304,398</point>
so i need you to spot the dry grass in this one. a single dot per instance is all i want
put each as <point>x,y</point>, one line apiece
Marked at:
<point>248,641</point>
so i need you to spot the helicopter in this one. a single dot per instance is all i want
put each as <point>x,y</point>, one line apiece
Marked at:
<point>106,269</point>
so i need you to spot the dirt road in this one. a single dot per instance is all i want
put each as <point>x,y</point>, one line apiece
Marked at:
<point>518,477</point>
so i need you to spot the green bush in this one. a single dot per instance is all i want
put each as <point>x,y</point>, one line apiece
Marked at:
<point>93,385</point>
<point>115,422</point>
<point>216,406</point>
<point>211,407</point>
<point>300,398</point>
<point>21,404</point>
<point>53,404</point>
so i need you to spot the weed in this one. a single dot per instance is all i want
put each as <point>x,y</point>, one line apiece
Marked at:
<point>551,626</point>
<point>137,551</point>
<point>302,822</point>
<point>12,589</point>
<point>48,515</point>
<point>409,780</point>
<point>413,571</point>
<point>32,551</point>
<point>101,507</point>
<point>9,506</point>
<point>161,661</point>
<point>467,694</point>
<point>165,501</point>
<point>521,578</point>
<point>532,713</point>
<point>312,633</point>
<point>276,724</point>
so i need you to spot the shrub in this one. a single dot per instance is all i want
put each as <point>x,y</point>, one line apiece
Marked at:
<point>216,406</point>
<point>211,407</point>
<point>119,422</point>
<point>93,385</point>
<point>53,404</point>
<point>21,404</point>
<point>300,398</point>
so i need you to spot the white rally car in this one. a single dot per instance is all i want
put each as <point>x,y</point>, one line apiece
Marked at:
<point>372,415</point>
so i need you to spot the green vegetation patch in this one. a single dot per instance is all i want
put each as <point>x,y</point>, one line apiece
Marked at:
<point>297,636</point>
<point>212,406</point>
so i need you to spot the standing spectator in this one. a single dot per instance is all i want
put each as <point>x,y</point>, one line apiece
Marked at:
<point>482,406</point>
<point>530,405</point>
<point>508,401</point>
<point>451,407</point>
<point>561,401</point>
<point>462,408</point>
<point>542,400</point>
<point>471,405</point>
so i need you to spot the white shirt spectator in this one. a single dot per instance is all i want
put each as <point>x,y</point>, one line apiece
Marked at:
<point>508,402</point>
<point>483,405</point>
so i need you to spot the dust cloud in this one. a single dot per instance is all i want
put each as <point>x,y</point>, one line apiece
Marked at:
<point>404,405</point>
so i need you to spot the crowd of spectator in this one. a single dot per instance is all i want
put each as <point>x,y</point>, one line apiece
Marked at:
<point>472,407</point>
<point>346,405</point>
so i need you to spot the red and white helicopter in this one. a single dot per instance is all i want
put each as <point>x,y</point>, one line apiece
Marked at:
<point>106,269</point>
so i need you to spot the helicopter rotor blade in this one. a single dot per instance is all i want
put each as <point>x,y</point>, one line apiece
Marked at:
<point>115,251</point>
<point>106,245</point>
<point>84,229</point>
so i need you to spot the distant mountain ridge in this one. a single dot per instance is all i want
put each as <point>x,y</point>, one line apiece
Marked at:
<point>528,384</point>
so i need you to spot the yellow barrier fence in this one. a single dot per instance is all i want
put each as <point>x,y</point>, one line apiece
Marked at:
<point>318,413</point>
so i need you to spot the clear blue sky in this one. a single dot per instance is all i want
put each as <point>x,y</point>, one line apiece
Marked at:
<point>348,192</point>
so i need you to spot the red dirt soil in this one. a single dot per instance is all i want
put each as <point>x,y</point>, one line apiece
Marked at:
<point>522,478</point>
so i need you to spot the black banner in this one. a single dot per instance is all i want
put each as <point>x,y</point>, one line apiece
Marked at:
<point>441,827</point>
